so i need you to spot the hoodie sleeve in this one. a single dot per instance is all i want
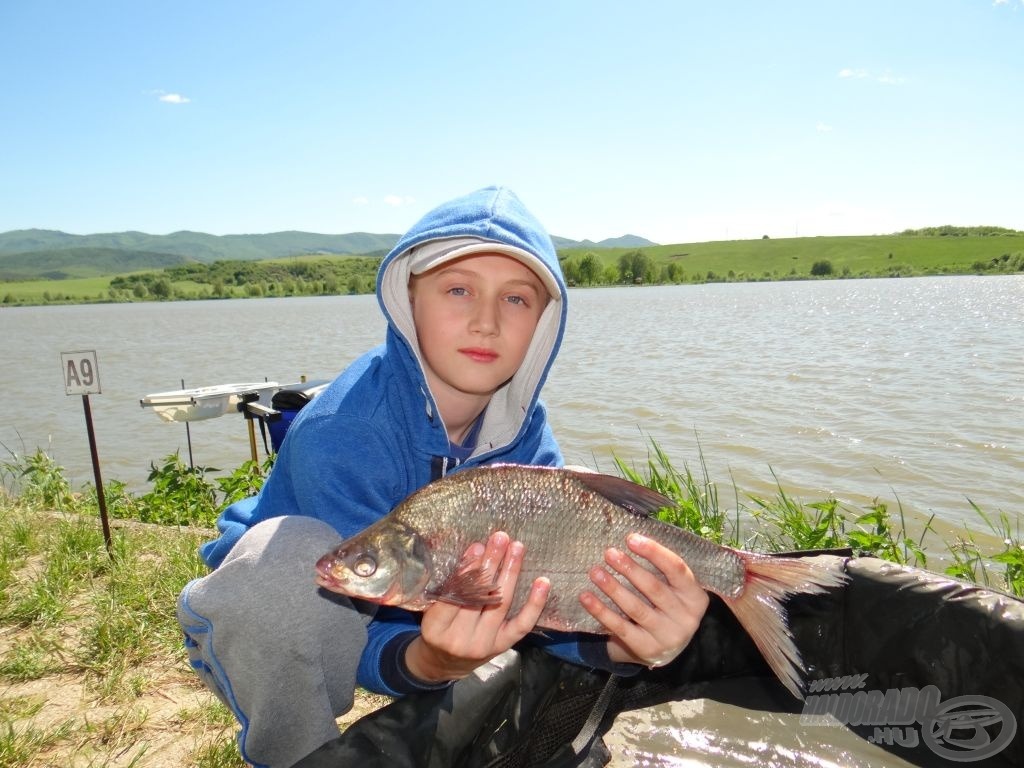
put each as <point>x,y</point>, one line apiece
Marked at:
<point>232,523</point>
<point>339,470</point>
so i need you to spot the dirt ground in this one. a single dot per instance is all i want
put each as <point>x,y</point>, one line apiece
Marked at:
<point>160,715</point>
<point>167,725</point>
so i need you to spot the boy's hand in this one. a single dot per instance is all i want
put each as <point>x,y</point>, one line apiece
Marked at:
<point>456,640</point>
<point>654,630</point>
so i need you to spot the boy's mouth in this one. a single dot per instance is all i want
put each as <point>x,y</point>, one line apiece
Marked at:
<point>479,354</point>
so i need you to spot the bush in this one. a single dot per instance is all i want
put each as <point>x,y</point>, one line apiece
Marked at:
<point>181,495</point>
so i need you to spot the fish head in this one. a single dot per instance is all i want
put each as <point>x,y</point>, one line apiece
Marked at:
<point>388,565</point>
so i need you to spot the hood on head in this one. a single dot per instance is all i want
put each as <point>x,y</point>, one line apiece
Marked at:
<point>435,253</point>
<point>490,219</point>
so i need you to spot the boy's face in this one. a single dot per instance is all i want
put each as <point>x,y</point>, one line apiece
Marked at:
<point>475,318</point>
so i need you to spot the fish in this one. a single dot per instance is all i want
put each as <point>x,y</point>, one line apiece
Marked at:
<point>566,518</point>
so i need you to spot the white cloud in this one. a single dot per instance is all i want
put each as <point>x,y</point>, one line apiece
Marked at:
<point>886,78</point>
<point>396,201</point>
<point>360,200</point>
<point>822,127</point>
<point>172,98</point>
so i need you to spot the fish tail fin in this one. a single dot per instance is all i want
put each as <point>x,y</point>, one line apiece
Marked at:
<point>761,611</point>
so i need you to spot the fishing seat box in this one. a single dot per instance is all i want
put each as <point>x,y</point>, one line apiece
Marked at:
<point>288,401</point>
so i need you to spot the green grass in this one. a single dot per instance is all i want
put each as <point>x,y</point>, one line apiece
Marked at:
<point>784,523</point>
<point>874,256</point>
<point>20,744</point>
<point>96,628</point>
<point>92,633</point>
<point>78,289</point>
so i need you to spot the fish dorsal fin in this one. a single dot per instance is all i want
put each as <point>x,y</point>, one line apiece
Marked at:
<point>468,587</point>
<point>638,499</point>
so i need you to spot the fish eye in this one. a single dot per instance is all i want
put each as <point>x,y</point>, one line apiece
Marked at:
<point>364,566</point>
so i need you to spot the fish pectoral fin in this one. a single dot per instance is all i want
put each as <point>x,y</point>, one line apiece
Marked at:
<point>636,498</point>
<point>471,588</point>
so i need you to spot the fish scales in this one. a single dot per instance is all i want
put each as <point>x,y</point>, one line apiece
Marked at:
<point>565,527</point>
<point>566,520</point>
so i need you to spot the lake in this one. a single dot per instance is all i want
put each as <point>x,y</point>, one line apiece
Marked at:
<point>908,390</point>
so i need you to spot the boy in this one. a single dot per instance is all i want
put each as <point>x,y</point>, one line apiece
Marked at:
<point>476,308</point>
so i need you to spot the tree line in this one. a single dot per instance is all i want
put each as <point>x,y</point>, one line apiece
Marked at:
<point>334,275</point>
<point>950,231</point>
<point>633,267</point>
<point>225,279</point>
<point>352,275</point>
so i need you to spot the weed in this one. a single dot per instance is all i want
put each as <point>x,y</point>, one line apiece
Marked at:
<point>245,481</point>
<point>784,523</point>
<point>221,754</point>
<point>28,660</point>
<point>132,618</point>
<point>40,481</point>
<point>120,730</point>
<point>697,507</point>
<point>970,564</point>
<point>20,744</point>
<point>181,495</point>
<point>14,548</point>
<point>787,524</point>
<point>213,713</point>
<point>877,537</point>
<point>74,555</point>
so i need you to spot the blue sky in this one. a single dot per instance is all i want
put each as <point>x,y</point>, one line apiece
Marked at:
<point>677,121</point>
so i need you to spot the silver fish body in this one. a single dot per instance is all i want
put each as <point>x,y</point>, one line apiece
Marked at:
<point>566,519</point>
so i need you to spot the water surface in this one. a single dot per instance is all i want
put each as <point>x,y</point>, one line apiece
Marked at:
<point>902,389</point>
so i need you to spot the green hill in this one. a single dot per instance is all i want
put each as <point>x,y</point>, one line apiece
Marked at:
<point>625,241</point>
<point>870,256</point>
<point>39,254</point>
<point>197,246</point>
<point>81,262</point>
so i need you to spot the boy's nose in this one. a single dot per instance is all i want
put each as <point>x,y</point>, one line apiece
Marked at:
<point>484,319</point>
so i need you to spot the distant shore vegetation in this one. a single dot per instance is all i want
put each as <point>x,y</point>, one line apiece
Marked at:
<point>945,250</point>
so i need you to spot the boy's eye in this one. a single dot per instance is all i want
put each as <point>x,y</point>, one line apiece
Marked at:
<point>458,291</point>
<point>521,300</point>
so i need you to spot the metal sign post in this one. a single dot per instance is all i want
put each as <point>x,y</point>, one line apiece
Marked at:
<point>82,377</point>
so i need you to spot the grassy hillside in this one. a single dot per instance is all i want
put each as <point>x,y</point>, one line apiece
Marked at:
<point>194,246</point>
<point>70,291</point>
<point>741,260</point>
<point>872,256</point>
<point>81,262</point>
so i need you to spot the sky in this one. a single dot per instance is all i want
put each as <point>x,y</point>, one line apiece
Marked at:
<point>676,121</point>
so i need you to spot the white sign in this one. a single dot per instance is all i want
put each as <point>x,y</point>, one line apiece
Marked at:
<point>81,372</point>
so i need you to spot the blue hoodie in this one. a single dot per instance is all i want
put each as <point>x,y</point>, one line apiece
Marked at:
<point>374,435</point>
